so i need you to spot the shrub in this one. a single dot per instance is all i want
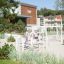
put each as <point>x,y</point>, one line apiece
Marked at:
<point>1,35</point>
<point>5,51</point>
<point>11,39</point>
<point>20,26</point>
<point>7,26</point>
<point>1,27</point>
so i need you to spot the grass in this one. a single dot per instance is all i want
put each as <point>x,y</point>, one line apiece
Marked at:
<point>34,58</point>
<point>7,62</point>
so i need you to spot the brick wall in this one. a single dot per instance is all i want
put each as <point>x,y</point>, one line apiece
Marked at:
<point>29,11</point>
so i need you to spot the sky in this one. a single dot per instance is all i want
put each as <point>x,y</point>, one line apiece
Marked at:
<point>50,4</point>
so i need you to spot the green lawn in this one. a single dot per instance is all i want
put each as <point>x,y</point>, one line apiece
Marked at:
<point>9,62</point>
<point>39,61</point>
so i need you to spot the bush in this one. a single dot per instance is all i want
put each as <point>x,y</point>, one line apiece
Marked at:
<point>20,26</point>
<point>11,39</point>
<point>7,26</point>
<point>1,27</point>
<point>1,35</point>
<point>5,51</point>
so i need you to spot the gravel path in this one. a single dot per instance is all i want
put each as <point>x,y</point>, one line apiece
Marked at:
<point>54,47</point>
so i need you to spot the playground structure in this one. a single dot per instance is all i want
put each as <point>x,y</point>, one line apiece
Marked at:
<point>38,36</point>
<point>47,31</point>
<point>47,26</point>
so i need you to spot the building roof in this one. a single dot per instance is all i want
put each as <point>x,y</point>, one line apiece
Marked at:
<point>40,16</point>
<point>58,18</point>
<point>23,16</point>
<point>30,5</point>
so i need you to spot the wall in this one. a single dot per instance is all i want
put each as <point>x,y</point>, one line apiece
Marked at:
<point>29,11</point>
<point>38,21</point>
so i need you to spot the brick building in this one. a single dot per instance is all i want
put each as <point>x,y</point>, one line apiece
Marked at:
<point>28,13</point>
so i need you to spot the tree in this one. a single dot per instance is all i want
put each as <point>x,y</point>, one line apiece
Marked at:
<point>60,4</point>
<point>20,26</point>
<point>46,12</point>
<point>6,6</point>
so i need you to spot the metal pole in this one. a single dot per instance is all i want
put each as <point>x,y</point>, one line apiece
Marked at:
<point>46,37</point>
<point>57,31</point>
<point>61,33</point>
